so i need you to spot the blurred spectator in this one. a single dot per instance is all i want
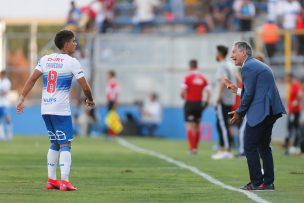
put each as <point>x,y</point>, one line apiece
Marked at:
<point>222,14</point>
<point>294,110</point>
<point>87,22</point>
<point>74,16</point>
<point>246,14</point>
<point>6,127</point>
<point>144,17</point>
<point>151,116</point>
<point>270,36</point>
<point>272,10</point>
<point>177,8</point>
<point>237,5</point>
<point>130,125</point>
<point>300,27</point>
<point>105,15</point>
<point>289,11</point>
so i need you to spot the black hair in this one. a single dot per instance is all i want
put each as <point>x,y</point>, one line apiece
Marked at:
<point>223,50</point>
<point>62,37</point>
<point>112,73</point>
<point>193,63</point>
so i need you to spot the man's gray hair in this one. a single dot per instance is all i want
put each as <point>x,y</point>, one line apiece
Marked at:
<point>243,46</point>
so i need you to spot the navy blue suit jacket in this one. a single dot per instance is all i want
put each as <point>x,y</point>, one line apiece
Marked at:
<point>260,95</point>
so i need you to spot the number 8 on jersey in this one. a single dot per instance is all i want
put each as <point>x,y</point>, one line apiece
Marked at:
<point>51,81</point>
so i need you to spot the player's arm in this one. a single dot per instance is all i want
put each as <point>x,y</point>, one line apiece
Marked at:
<point>26,89</point>
<point>184,89</point>
<point>87,91</point>
<point>208,93</point>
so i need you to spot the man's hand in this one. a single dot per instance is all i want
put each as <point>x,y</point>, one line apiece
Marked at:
<point>236,118</point>
<point>230,86</point>
<point>20,105</point>
<point>90,104</point>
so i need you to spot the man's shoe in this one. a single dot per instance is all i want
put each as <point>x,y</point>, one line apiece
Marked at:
<point>67,186</point>
<point>251,187</point>
<point>52,184</point>
<point>269,187</point>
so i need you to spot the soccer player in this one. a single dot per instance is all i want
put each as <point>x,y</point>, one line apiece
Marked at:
<point>224,102</point>
<point>57,70</point>
<point>294,111</point>
<point>192,92</point>
<point>5,86</point>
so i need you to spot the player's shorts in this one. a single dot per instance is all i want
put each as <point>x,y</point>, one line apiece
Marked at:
<point>2,112</point>
<point>111,105</point>
<point>59,128</point>
<point>293,120</point>
<point>193,111</point>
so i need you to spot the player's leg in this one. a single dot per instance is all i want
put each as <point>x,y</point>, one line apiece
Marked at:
<point>2,132</point>
<point>290,118</point>
<point>9,127</point>
<point>189,118</point>
<point>64,136</point>
<point>52,155</point>
<point>196,131</point>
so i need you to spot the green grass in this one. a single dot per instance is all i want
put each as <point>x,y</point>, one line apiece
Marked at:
<point>106,172</point>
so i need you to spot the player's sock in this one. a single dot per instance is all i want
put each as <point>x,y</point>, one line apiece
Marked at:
<point>197,139</point>
<point>112,133</point>
<point>52,159</point>
<point>10,132</point>
<point>65,162</point>
<point>2,134</point>
<point>190,139</point>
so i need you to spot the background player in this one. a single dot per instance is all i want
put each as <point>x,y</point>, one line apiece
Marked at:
<point>5,85</point>
<point>58,70</point>
<point>192,92</point>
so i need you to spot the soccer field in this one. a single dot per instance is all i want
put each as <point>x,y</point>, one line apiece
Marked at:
<point>105,171</point>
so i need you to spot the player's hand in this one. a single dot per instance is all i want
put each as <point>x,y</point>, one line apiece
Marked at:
<point>20,105</point>
<point>90,104</point>
<point>230,86</point>
<point>236,118</point>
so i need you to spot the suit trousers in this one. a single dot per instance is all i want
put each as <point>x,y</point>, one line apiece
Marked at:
<point>256,146</point>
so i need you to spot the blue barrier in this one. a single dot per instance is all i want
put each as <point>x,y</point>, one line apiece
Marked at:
<point>31,123</point>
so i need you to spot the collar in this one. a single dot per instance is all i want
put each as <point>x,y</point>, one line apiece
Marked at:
<point>247,58</point>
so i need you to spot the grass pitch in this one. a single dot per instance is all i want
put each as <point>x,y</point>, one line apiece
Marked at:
<point>104,171</point>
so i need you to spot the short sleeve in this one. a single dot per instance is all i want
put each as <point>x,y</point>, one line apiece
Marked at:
<point>39,65</point>
<point>184,85</point>
<point>77,70</point>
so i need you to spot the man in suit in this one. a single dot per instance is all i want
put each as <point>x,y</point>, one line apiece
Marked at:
<point>261,103</point>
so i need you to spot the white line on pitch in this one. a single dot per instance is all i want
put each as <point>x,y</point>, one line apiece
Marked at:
<point>193,169</point>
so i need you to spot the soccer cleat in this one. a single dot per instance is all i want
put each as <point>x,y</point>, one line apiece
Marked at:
<point>269,187</point>
<point>67,186</point>
<point>251,187</point>
<point>52,184</point>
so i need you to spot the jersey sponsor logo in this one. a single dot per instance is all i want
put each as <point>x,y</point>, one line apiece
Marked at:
<point>54,65</point>
<point>197,81</point>
<point>55,59</point>
<point>49,100</point>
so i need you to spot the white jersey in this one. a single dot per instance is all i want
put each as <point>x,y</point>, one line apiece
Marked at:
<point>5,86</point>
<point>58,71</point>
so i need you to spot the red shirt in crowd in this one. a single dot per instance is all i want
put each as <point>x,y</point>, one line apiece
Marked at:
<point>194,83</point>
<point>294,101</point>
